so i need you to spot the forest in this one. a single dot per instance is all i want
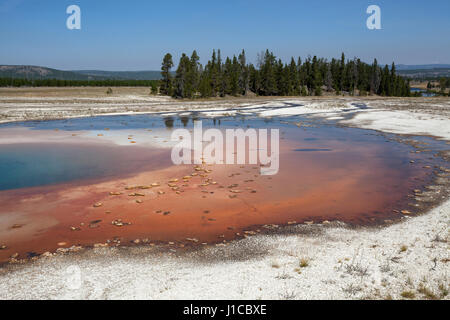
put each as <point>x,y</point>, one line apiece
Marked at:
<point>272,77</point>
<point>22,82</point>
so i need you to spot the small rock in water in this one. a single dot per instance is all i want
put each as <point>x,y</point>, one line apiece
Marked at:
<point>112,193</point>
<point>98,204</point>
<point>119,223</point>
<point>136,194</point>
<point>94,224</point>
<point>3,247</point>
<point>61,244</point>
<point>139,201</point>
<point>16,226</point>
<point>100,245</point>
<point>405,212</point>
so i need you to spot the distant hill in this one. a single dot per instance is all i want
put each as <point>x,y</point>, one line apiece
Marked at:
<point>421,66</point>
<point>122,75</point>
<point>425,74</point>
<point>37,72</point>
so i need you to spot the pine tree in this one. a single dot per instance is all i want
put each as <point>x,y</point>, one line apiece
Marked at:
<point>341,73</point>
<point>181,89</point>
<point>214,75</point>
<point>442,84</point>
<point>375,78</point>
<point>293,79</point>
<point>268,83</point>
<point>329,78</point>
<point>316,78</point>
<point>221,81</point>
<point>243,74</point>
<point>385,81</point>
<point>234,77</point>
<point>166,82</point>
<point>393,81</point>
<point>192,75</point>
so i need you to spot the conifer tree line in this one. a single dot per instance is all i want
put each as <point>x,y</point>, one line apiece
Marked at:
<point>272,77</point>
<point>21,82</point>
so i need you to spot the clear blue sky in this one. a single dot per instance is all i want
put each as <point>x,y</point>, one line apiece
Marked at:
<point>134,35</point>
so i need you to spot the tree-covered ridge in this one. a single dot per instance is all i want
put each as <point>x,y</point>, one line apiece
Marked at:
<point>20,82</point>
<point>272,77</point>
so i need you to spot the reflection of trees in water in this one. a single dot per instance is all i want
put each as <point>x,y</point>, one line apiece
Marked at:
<point>184,120</point>
<point>168,121</point>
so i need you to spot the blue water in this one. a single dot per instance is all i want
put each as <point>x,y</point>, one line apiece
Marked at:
<point>424,92</point>
<point>30,165</point>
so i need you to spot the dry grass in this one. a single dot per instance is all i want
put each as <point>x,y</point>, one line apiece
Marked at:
<point>408,294</point>
<point>304,262</point>
<point>443,290</point>
<point>427,292</point>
